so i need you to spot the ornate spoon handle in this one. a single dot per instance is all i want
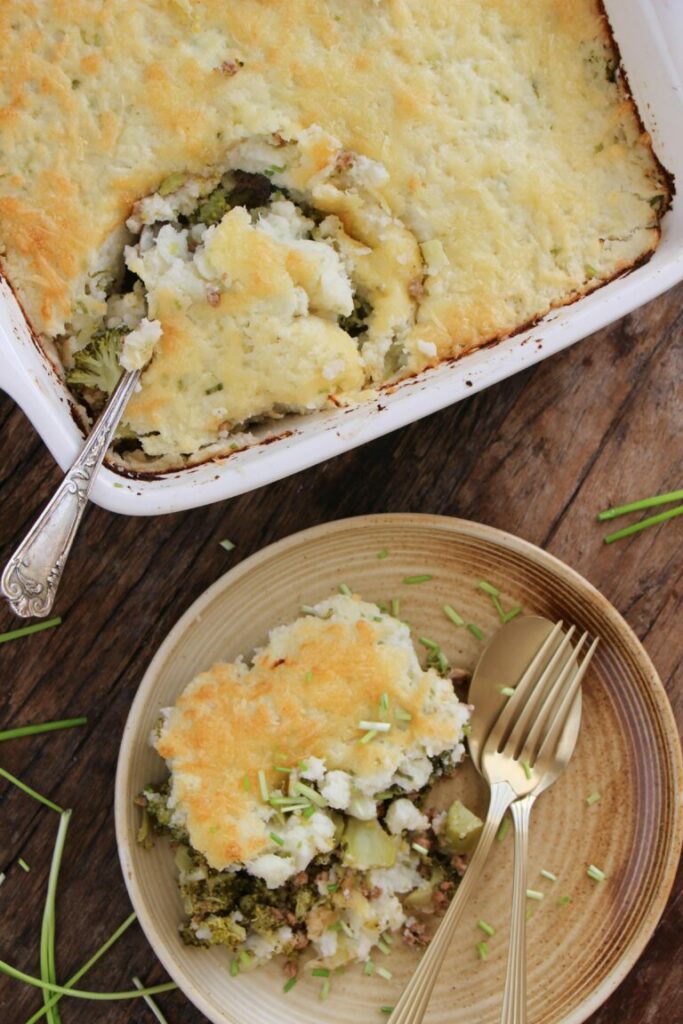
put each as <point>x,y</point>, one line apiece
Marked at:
<point>32,575</point>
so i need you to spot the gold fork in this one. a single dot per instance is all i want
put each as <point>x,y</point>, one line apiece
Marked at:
<point>523,742</point>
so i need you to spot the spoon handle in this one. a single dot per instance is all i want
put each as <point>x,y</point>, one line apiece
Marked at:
<point>412,1005</point>
<point>514,999</point>
<point>32,575</point>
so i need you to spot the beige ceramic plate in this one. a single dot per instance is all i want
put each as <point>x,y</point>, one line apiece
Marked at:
<point>628,750</point>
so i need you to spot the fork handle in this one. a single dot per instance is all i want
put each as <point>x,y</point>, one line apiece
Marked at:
<point>412,1005</point>
<point>32,575</point>
<point>514,999</point>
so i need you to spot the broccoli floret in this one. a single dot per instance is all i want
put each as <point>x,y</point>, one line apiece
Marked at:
<point>97,365</point>
<point>213,208</point>
<point>224,932</point>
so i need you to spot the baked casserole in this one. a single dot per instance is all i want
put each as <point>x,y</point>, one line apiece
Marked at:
<point>291,203</point>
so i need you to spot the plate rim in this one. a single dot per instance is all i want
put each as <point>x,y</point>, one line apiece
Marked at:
<point>462,527</point>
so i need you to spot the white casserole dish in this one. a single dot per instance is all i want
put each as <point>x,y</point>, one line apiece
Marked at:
<point>650,35</point>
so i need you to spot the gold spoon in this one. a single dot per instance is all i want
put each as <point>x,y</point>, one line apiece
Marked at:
<point>516,747</point>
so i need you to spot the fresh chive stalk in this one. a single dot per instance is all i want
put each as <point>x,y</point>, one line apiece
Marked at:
<point>527,769</point>
<point>312,794</point>
<point>503,830</point>
<point>486,928</point>
<point>483,950</point>
<point>534,894</point>
<point>384,553</point>
<point>320,972</point>
<point>263,785</point>
<point>30,792</point>
<point>35,730</point>
<point>234,967</point>
<point>394,607</point>
<point>549,875</point>
<point>642,525</point>
<point>420,849</point>
<point>156,1012</point>
<point>475,631</point>
<point>97,955</point>
<point>488,588</point>
<point>369,735</point>
<point>48,971</point>
<point>277,839</point>
<point>325,989</point>
<point>376,726</point>
<point>593,799</point>
<point>387,1010</point>
<point>638,506</point>
<point>37,627</point>
<point>384,973</point>
<point>595,873</point>
<point>289,985</point>
<point>227,545</point>
<point>384,705</point>
<point>368,968</point>
<point>23,865</point>
<point>507,691</point>
<point>402,715</point>
<point>424,577</point>
<point>77,993</point>
<point>345,589</point>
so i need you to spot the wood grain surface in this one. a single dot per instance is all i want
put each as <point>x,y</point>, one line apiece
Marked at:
<point>537,455</point>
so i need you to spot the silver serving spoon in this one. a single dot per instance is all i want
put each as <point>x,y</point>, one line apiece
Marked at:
<point>32,575</point>
<point>502,664</point>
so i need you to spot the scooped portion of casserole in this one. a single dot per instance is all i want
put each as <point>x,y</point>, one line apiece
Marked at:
<point>291,204</point>
<point>298,792</point>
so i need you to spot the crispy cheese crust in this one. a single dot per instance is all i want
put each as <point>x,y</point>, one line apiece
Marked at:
<point>508,138</point>
<point>303,697</point>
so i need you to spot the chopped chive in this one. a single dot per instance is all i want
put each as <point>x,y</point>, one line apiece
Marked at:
<point>430,644</point>
<point>227,545</point>
<point>104,948</point>
<point>549,875</point>
<point>483,950</point>
<point>507,691</point>
<point>488,588</point>
<point>246,958</point>
<point>346,928</point>
<point>637,527</point>
<point>308,609</point>
<point>263,785</point>
<point>388,938</point>
<point>77,993</point>
<point>403,715</point>
<point>384,705</point>
<point>48,971</point>
<point>311,793</point>
<point>638,506</point>
<point>421,578</point>
<point>486,928</point>
<point>303,766</point>
<point>384,553</point>
<point>320,972</point>
<point>276,838</point>
<point>368,968</point>
<point>534,894</point>
<point>395,607</point>
<point>388,1010</point>
<point>30,792</point>
<point>246,784</point>
<point>593,799</point>
<point>285,801</point>
<point>234,967</point>
<point>503,830</point>
<point>377,726</point>
<point>22,864</point>
<point>381,797</point>
<point>309,812</point>
<point>293,808</point>
<point>280,768</point>
<point>308,678</point>
<point>345,590</point>
<point>37,627</point>
<point>154,1009</point>
<point>420,849</point>
<point>384,973</point>
<point>529,913</point>
<point>512,614</point>
<point>289,985</point>
<point>595,873</point>
<point>368,736</point>
<point>475,631</point>
<point>35,730</point>
<point>564,900</point>
<point>451,614</point>
<point>384,947</point>
<point>325,989</point>
<point>332,886</point>
<point>527,769</point>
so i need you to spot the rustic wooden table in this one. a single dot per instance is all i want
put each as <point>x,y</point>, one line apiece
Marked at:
<point>537,455</point>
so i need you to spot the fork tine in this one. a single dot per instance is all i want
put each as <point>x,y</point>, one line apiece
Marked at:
<point>521,708</point>
<point>530,741</point>
<point>522,689</point>
<point>554,732</point>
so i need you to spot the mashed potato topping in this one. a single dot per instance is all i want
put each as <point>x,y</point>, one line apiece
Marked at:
<point>465,167</point>
<point>297,789</point>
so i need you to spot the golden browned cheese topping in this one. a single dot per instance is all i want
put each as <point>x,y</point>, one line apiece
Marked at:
<point>513,157</point>
<point>303,698</point>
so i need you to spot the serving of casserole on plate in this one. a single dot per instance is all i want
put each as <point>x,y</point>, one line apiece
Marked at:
<point>289,226</point>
